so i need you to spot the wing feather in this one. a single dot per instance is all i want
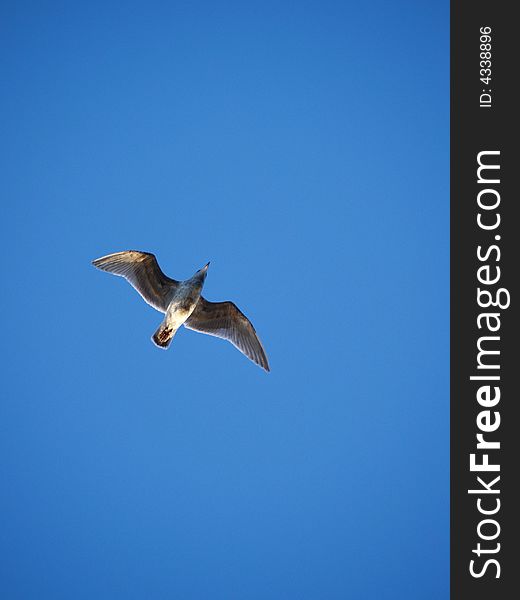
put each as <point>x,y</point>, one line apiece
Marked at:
<point>226,321</point>
<point>142,271</point>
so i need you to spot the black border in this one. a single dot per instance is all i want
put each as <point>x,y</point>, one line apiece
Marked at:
<point>474,129</point>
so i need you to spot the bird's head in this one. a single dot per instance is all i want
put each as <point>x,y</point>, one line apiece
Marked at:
<point>201,273</point>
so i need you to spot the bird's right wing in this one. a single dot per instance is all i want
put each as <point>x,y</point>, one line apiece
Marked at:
<point>224,320</point>
<point>142,271</point>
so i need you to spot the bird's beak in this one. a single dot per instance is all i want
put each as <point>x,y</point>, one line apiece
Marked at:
<point>205,268</point>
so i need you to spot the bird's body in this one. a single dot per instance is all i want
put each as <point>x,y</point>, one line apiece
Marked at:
<point>182,303</point>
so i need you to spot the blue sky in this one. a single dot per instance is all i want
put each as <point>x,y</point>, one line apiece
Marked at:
<point>302,148</point>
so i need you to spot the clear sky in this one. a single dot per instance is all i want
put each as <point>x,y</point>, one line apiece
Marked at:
<point>302,148</point>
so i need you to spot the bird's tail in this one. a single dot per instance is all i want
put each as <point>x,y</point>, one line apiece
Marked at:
<point>164,335</point>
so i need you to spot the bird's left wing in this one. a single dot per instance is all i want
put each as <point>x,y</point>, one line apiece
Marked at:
<point>142,271</point>
<point>224,320</point>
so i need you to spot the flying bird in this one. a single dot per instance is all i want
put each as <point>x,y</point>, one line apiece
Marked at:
<point>182,304</point>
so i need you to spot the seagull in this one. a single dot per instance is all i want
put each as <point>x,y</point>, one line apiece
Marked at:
<point>182,304</point>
